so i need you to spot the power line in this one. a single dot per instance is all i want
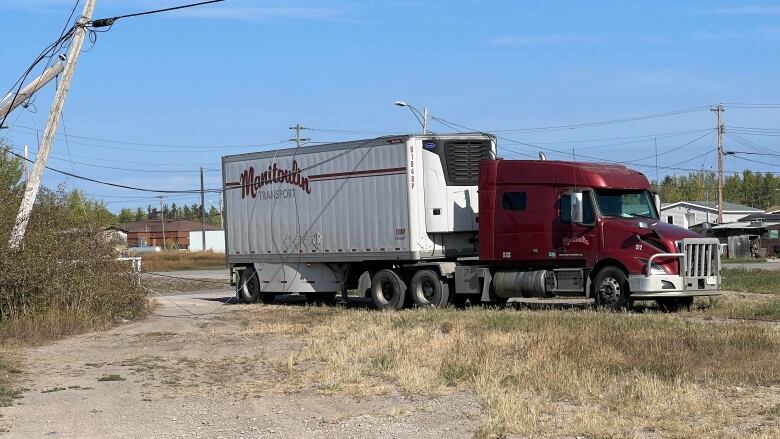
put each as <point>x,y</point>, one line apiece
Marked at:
<point>604,122</point>
<point>158,145</point>
<point>108,22</point>
<point>121,186</point>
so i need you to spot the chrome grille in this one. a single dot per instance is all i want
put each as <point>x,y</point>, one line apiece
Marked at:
<point>701,257</point>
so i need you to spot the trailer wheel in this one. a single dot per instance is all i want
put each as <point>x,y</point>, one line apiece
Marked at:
<point>249,288</point>
<point>611,289</point>
<point>388,291</point>
<point>428,289</point>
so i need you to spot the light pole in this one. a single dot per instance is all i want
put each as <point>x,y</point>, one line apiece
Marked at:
<point>417,114</point>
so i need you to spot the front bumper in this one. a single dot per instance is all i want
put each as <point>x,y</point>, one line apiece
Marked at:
<point>699,268</point>
<point>661,286</point>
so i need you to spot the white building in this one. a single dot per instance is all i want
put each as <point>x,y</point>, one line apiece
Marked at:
<point>215,241</point>
<point>691,213</point>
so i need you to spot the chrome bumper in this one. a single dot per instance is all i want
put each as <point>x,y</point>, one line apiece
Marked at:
<point>699,260</point>
<point>659,286</point>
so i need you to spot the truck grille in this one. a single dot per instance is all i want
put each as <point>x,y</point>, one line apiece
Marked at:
<point>701,257</point>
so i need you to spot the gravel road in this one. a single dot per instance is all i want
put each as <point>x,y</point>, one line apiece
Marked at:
<point>187,375</point>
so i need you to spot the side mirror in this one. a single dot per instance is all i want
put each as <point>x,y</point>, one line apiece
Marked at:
<point>657,202</point>
<point>576,207</point>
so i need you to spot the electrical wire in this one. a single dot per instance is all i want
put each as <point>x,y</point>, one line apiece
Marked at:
<point>108,22</point>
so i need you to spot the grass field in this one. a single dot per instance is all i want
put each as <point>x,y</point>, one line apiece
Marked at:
<point>544,373</point>
<point>753,281</point>
<point>743,261</point>
<point>182,260</point>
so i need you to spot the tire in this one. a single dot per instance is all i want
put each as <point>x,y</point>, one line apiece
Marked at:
<point>611,289</point>
<point>428,290</point>
<point>249,288</point>
<point>674,304</point>
<point>388,291</point>
<point>321,298</point>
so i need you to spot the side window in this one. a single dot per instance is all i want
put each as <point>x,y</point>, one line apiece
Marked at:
<point>513,201</point>
<point>565,207</point>
<point>588,217</point>
<point>670,219</point>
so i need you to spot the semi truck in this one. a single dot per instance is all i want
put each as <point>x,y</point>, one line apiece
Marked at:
<point>433,220</point>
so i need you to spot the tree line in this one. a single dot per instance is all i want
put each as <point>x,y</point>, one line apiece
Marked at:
<point>754,189</point>
<point>174,211</point>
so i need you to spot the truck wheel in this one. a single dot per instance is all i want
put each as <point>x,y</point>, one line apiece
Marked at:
<point>427,289</point>
<point>249,288</point>
<point>388,291</point>
<point>611,289</point>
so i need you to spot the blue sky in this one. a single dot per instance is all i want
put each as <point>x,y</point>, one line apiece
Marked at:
<point>241,72</point>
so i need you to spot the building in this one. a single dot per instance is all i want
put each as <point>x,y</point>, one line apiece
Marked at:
<point>774,210</point>
<point>149,233</point>
<point>691,213</point>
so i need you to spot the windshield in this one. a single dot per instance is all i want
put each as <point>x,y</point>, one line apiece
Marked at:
<point>626,203</point>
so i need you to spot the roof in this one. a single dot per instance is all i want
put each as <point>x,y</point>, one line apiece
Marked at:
<point>713,206</point>
<point>774,209</point>
<point>761,217</point>
<point>747,225</point>
<point>171,225</point>
<point>561,173</point>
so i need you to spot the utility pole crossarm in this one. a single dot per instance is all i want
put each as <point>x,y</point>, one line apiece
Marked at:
<point>34,183</point>
<point>11,103</point>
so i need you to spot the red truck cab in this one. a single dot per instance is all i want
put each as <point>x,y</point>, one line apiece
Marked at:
<point>562,228</point>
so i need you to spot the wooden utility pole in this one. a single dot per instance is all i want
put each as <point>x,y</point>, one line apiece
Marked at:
<point>202,212</point>
<point>719,109</point>
<point>34,183</point>
<point>162,222</point>
<point>298,140</point>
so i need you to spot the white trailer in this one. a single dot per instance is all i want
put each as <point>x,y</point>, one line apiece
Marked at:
<point>316,220</point>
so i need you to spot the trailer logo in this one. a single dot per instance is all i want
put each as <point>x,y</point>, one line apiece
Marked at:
<point>251,183</point>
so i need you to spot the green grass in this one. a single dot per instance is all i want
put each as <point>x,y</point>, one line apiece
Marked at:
<point>111,377</point>
<point>751,281</point>
<point>743,260</point>
<point>7,393</point>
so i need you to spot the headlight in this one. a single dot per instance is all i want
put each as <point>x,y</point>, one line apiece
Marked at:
<point>656,269</point>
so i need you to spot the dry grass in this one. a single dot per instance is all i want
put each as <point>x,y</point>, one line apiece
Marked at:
<point>182,260</point>
<point>733,305</point>
<point>544,373</point>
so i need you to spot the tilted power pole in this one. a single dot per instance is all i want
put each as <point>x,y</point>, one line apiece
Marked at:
<point>719,109</point>
<point>26,93</point>
<point>34,183</point>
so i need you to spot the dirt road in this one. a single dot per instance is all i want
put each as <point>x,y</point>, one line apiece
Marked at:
<point>185,373</point>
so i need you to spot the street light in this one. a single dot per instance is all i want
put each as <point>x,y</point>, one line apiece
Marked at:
<point>417,114</point>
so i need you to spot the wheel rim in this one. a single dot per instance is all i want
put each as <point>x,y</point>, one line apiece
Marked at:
<point>428,290</point>
<point>610,291</point>
<point>387,290</point>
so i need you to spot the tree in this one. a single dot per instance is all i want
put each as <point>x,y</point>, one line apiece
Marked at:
<point>174,210</point>
<point>11,172</point>
<point>186,212</point>
<point>139,215</point>
<point>213,217</point>
<point>126,215</point>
